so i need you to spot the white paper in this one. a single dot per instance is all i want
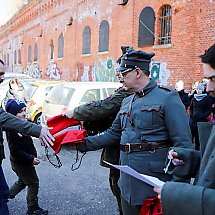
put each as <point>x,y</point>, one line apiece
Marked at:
<point>153,181</point>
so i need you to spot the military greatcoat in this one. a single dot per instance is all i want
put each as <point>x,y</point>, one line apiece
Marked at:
<point>159,116</point>
<point>178,198</point>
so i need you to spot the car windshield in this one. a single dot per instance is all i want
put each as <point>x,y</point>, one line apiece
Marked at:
<point>60,95</point>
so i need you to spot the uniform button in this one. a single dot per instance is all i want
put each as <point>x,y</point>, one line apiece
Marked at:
<point>212,156</point>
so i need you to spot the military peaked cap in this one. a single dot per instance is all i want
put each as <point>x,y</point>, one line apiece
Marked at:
<point>136,58</point>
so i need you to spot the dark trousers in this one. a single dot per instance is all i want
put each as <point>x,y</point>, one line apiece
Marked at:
<point>27,176</point>
<point>195,137</point>
<point>129,209</point>
<point>113,180</point>
<point>4,192</point>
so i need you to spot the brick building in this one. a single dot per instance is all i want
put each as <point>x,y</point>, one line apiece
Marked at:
<point>81,39</point>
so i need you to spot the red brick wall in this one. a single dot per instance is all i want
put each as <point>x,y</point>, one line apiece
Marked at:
<point>193,31</point>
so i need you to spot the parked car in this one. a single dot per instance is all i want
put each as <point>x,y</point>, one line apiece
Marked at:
<point>40,89</point>
<point>9,75</point>
<point>72,94</point>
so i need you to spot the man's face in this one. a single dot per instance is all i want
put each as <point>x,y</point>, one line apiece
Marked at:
<point>2,71</point>
<point>129,77</point>
<point>209,74</point>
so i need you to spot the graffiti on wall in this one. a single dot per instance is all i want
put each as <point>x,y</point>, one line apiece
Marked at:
<point>160,73</point>
<point>104,70</point>
<point>53,71</point>
<point>33,70</point>
<point>85,73</point>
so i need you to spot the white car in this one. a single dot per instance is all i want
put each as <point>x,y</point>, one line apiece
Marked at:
<point>64,97</point>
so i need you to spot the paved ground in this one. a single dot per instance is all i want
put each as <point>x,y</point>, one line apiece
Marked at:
<point>65,192</point>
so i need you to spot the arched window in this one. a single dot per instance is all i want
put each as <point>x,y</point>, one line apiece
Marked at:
<point>165,25</point>
<point>146,27</point>
<point>86,40</point>
<point>8,56</point>
<point>19,56</point>
<point>35,52</point>
<point>29,54</point>
<point>60,46</point>
<point>5,59</point>
<point>104,36</point>
<point>15,58</point>
<point>51,50</point>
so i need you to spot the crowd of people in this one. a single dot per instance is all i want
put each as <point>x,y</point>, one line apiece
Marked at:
<point>199,106</point>
<point>140,125</point>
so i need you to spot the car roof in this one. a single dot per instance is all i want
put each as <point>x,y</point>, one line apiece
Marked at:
<point>92,84</point>
<point>47,82</point>
<point>8,75</point>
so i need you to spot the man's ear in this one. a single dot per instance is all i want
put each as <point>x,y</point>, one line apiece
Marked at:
<point>139,72</point>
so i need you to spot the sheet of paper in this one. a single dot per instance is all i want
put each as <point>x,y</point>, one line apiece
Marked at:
<point>153,181</point>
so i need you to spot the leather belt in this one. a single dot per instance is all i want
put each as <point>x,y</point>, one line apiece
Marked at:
<point>148,146</point>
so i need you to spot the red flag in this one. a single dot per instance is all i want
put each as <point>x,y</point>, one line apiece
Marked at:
<point>59,123</point>
<point>151,206</point>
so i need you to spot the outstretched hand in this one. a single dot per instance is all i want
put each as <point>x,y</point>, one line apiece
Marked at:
<point>45,137</point>
<point>69,114</point>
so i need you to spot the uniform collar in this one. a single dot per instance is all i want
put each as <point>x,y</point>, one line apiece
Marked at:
<point>150,86</point>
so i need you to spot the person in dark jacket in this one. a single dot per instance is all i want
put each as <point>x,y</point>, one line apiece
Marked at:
<point>145,127</point>
<point>8,121</point>
<point>98,117</point>
<point>198,198</point>
<point>23,157</point>
<point>179,86</point>
<point>200,110</point>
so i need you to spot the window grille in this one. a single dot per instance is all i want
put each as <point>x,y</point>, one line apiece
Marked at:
<point>165,25</point>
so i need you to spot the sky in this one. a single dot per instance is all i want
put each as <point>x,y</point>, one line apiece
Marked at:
<point>8,8</point>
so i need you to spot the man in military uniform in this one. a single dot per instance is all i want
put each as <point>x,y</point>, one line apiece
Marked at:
<point>198,198</point>
<point>8,121</point>
<point>148,123</point>
<point>98,116</point>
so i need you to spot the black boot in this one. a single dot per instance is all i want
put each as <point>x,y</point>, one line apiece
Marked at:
<point>36,210</point>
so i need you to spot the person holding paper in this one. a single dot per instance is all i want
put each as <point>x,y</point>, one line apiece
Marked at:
<point>198,198</point>
<point>148,123</point>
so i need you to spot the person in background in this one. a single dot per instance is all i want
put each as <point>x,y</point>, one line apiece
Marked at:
<point>16,91</point>
<point>145,127</point>
<point>8,121</point>
<point>200,110</point>
<point>198,198</point>
<point>23,157</point>
<point>179,86</point>
<point>98,116</point>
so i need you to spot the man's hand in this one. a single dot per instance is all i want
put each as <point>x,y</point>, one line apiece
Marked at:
<point>36,161</point>
<point>158,191</point>
<point>69,114</point>
<point>45,137</point>
<point>172,155</point>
